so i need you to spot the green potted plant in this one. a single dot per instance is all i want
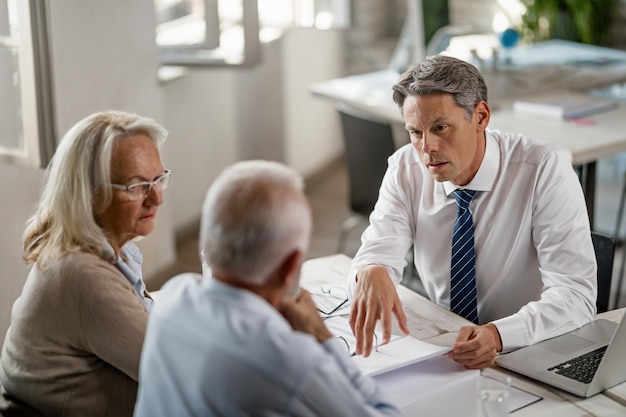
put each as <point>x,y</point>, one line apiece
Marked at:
<point>586,21</point>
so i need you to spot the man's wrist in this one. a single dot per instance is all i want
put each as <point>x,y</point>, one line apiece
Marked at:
<point>496,335</point>
<point>371,269</point>
<point>322,334</point>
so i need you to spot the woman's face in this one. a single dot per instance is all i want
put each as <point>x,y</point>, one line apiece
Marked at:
<point>134,159</point>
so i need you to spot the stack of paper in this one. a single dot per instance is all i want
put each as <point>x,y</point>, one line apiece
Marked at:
<point>419,377</point>
<point>400,352</point>
<point>563,106</point>
<point>434,387</point>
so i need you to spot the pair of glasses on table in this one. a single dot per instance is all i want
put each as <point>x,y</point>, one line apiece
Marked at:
<point>351,349</point>
<point>328,299</point>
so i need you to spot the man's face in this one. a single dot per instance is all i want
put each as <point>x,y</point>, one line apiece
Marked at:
<point>449,145</point>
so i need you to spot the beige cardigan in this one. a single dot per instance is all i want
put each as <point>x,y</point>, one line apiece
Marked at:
<point>75,339</point>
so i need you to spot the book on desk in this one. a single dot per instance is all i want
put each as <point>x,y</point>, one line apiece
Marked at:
<point>563,106</point>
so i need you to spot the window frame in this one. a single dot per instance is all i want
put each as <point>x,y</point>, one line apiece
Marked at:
<point>35,86</point>
<point>198,55</point>
<point>187,56</point>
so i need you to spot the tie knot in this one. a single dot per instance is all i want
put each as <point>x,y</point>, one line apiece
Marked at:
<point>463,197</point>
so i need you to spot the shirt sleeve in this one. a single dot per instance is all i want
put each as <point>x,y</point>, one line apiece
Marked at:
<point>337,388</point>
<point>389,236</point>
<point>562,237</point>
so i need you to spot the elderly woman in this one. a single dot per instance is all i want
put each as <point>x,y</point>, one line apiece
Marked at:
<point>77,329</point>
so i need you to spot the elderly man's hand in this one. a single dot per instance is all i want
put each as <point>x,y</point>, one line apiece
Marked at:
<point>476,346</point>
<point>303,316</point>
<point>375,298</point>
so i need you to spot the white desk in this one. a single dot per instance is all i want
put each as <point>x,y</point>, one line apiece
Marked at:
<point>430,322</point>
<point>583,145</point>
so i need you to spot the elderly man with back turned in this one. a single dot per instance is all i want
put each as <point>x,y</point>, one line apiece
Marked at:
<point>246,341</point>
<point>498,223</point>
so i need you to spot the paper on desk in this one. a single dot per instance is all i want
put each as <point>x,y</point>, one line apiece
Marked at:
<point>400,351</point>
<point>563,106</point>
<point>441,387</point>
<point>434,387</point>
<point>339,326</point>
<point>403,351</point>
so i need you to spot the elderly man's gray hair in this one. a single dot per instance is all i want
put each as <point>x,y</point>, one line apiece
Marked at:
<point>255,213</point>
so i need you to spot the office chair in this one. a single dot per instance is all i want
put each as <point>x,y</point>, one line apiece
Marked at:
<point>368,143</point>
<point>620,213</point>
<point>604,248</point>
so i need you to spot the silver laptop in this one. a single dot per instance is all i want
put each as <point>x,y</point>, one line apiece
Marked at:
<point>584,362</point>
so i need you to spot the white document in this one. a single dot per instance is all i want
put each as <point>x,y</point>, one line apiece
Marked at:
<point>434,387</point>
<point>403,351</point>
<point>339,326</point>
<point>399,352</point>
<point>419,378</point>
<point>441,387</point>
<point>563,106</point>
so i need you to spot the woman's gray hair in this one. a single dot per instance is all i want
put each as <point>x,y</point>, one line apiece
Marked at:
<point>255,213</point>
<point>76,186</point>
<point>439,74</point>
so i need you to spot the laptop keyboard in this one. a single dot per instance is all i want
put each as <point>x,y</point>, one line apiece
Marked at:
<point>582,368</point>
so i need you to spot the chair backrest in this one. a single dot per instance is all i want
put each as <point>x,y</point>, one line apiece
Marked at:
<point>368,143</point>
<point>604,247</point>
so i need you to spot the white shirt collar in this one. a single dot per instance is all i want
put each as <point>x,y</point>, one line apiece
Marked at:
<point>489,167</point>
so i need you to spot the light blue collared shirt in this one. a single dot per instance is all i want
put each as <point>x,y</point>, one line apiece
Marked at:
<point>129,263</point>
<point>212,349</point>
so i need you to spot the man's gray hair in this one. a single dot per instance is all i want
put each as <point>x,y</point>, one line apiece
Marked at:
<point>76,186</point>
<point>255,213</point>
<point>440,74</point>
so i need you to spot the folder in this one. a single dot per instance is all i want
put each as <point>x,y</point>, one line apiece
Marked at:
<point>563,106</point>
<point>419,378</point>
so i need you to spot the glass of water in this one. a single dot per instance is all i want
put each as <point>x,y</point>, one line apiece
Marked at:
<point>492,396</point>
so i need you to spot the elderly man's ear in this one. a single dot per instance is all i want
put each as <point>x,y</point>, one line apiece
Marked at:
<point>289,268</point>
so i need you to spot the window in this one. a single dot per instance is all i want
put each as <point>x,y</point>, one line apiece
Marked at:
<point>26,120</point>
<point>229,32</point>
<point>207,32</point>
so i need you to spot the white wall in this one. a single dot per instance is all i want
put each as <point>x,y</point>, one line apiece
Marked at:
<point>104,63</point>
<point>200,115</point>
<point>215,116</point>
<point>218,116</point>
<point>104,57</point>
<point>20,190</point>
<point>312,129</point>
<point>260,107</point>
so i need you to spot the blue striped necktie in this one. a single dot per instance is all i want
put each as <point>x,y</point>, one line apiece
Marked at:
<point>463,299</point>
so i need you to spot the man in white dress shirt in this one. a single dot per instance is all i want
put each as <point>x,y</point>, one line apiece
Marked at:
<point>242,342</point>
<point>535,268</point>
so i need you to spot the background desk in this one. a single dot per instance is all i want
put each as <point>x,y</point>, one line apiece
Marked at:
<point>583,145</point>
<point>430,322</point>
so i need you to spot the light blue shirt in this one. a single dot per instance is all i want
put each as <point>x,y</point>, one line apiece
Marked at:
<point>129,263</point>
<point>212,349</point>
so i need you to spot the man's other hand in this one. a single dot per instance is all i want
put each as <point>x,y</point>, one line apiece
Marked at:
<point>476,346</point>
